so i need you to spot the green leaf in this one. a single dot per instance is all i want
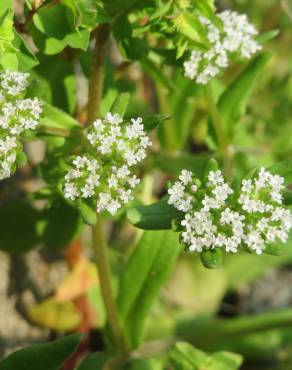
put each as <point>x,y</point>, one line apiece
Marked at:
<point>26,59</point>
<point>58,84</point>
<point>54,20</point>
<point>6,26</point>
<point>51,46</point>
<point>95,361</point>
<point>151,122</point>
<point>225,361</point>
<point>233,101</point>
<point>116,6</point>
<point>264,37</point>
<point>156,216</point>
<point>184,356</point>
<point>62,224</point>
<point>5,5</point>
<point>48,356</point>
<point>146,364</point>
<point>173,164</point>
<point>56,26</point>
<point>91,13</point>
<point>78,40</point>
<point>54,117</point>
<point>87,211</point>
<point>120,104</point>
<point>189,25</point>
<point>131,47</point>
<point>18,227</point>
<point>147,270</point>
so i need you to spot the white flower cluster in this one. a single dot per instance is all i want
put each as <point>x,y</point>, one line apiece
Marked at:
<point>254,218</point>
<point>105,175</point>
<point>235,38</point>
<point>261,202</point>
<point>17,116</point>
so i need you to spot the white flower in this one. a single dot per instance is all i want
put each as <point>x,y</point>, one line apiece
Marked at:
<point>107,175</point>
<point>13,83</point>
<point>237,36</point>
<point>70,191</point>
<point>17,116</point>
<point>212,220</point>
<point>128,142</point>
<point>186,177</point>
<point>114,119</point>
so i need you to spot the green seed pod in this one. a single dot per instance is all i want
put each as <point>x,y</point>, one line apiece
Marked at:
<point>211,258</point>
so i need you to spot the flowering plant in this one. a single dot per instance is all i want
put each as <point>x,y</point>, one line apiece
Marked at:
<point>216,217</point>
<point>153,124</point>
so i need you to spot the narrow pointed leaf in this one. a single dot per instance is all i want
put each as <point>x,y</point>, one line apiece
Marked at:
<point>233,101</point>
<point>120,104</point>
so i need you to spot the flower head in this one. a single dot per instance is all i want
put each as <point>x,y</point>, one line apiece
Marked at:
<point>236,38</point>
<point>18,115</point>
<point>105,173</point>
<point>213,219</point>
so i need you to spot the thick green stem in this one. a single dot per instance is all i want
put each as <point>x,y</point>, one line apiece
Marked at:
<point>206,332</point>
<point>97,72</point>
<point>99,244</point>
<point>101,253</point>
<point>219,130</point>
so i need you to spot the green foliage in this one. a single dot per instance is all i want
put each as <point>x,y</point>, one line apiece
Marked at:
<point>14,52</point>
<point>148,268</point>
<point>94,361</point>
<point>120,105</point>
<point>54,41</point>
<point>151,122</point>
<point>23,217</point>
<point>232,103</point>
<point>61,25</point>
<point>57,85</point>
<point>48,356</point>
<point>61,216</point>
<point>186,357</point>
<point>87,212</point>
<point>156,216</point>
<point>55,118</point>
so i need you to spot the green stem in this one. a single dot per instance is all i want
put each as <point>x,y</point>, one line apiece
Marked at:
<point>166,129</point>
<point>206,332</point>
<point>97,72</point>
<point>58,131</point>
<point>219,130</point>
<point>101,253</point>
<point>99,244</point>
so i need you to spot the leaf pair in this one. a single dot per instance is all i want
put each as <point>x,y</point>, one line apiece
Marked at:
<point>148,268</point>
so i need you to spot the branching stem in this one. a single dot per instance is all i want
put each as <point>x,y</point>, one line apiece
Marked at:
<point>217,123</point>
